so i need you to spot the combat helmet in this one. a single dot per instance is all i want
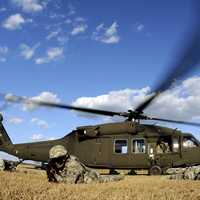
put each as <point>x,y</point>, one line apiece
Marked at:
<point>57,151</point>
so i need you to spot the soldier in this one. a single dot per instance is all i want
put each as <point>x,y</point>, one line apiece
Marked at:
<point>7,165</point>
<point>189,173</point>
<point>66,168</point>
<point>161,147</point>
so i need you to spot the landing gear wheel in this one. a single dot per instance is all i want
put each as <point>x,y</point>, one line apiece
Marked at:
<point>155,170</point>
<point>132,172</point>
<point>113,172</point>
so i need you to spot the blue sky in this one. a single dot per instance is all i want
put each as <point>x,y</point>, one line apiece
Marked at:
<point>111,52</point>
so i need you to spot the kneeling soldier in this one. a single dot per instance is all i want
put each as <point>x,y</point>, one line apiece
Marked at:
<point>66,168</point>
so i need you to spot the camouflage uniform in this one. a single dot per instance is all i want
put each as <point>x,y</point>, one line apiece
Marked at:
<point>2,165</point>
<point>188,173</point>
<point>66,168</point>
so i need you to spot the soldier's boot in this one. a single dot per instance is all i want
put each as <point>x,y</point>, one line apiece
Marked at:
<point>132,172</point>
<point>113,172</point>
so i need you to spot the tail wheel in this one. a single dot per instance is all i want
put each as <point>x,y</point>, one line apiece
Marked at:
<point>155,170</point>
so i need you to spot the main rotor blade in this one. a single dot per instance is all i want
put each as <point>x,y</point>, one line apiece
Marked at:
<point>176,121</point>
<point>69,107</point>
<point>186,61</point>
<point>25,100</point>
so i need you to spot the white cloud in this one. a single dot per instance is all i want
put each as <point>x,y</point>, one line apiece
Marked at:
<point>53,34</point>
<point>120,100</point>
<point>62,39</point>
<point>15,22</point>
<point>72,10</point>
<point>57,16</point>
<point>3,50</point>
<point>52,54</point>
<point>28,52</point>
<point>3,53</point>
<point>181,103</point>
<point>16,120</point>
<point>43,96</point>
<point>79,28</point>
<point>29,5</point>
<point>68,21</point>
<point>139,27</point>
<point>41,123</point>
<point>3,59</point>
<point>37,137</point>
<point>51,138</point>
<point>80,19</point>
<point>3,9</point>
<point>40,137</point>
<point>108,35</point>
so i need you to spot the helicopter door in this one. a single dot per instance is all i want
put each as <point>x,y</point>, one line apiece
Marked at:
<point>168,152</point>
<point>139,157</point>
<point>100,155</point>
<point>119,152</point>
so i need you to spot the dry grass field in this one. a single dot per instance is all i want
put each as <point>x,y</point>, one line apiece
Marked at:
<point>30,184</point>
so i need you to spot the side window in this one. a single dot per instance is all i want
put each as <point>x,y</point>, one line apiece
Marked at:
<point>175,145</point>
<point>138,146</point>
<point>189,142</point>
<point>121,146</point>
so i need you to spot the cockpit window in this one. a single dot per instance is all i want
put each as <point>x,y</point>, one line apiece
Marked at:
<point>121,146</point>
<point>189,142</point>
<point>138,146</point>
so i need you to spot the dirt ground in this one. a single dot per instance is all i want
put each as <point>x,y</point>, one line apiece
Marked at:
<point>26,184</point>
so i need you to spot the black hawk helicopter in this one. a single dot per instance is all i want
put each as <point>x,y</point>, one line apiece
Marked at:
<point>123,145</point>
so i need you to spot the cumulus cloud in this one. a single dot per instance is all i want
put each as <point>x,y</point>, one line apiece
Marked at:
<point>79,28</point>
<point>181,103</point>
<point>41,123</point>
<point>29,5</point>
<point>14,22</point>
<point>120,100</point>
<point>16,120</point>
<point>52,54</point>
<point>37,137</point>
<point>108,35</point>
<point>3,53</point>
<point>27,52</point>
<point>51,138</point>
<point>40,137</point>
<point>43,96</point>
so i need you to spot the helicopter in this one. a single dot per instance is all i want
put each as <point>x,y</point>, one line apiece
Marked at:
<point>130,144</point>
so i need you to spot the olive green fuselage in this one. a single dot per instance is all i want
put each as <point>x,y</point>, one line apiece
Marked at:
<point>125,145</point>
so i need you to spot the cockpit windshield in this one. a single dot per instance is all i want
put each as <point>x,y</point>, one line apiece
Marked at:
<point>189,142</point>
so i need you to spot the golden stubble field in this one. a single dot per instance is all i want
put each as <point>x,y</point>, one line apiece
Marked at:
<point>26,184</point>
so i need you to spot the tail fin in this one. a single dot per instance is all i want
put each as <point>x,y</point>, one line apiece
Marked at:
<point>4,138</point>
